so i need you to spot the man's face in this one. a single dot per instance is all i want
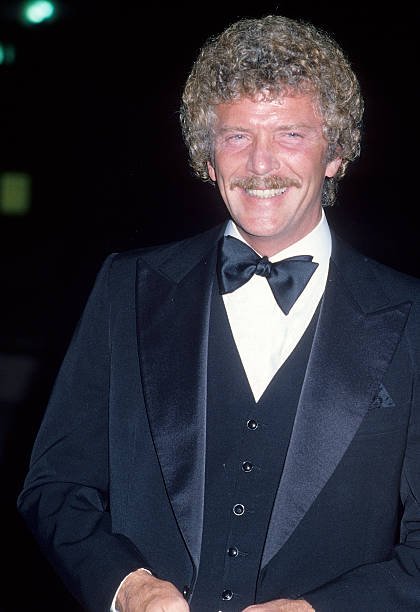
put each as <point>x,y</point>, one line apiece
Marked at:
<point>270,165</point>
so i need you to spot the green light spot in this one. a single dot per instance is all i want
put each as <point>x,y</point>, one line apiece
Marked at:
<point>7,54</point>
<point>15,193</point>
<point>38,11</point>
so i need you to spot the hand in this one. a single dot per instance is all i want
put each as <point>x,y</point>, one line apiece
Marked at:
<point>141,592</point>
<point>281,605</point>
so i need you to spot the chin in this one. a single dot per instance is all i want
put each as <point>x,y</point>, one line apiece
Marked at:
<point>261,231</point>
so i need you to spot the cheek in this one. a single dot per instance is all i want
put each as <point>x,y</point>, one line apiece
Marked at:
<point>310,167</point>
<point>229,164</point>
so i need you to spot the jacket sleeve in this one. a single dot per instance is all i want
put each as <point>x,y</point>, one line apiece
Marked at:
<point>65,496</point>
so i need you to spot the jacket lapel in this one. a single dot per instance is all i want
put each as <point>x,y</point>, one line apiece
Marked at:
<point>354,342</point>
<point>173,336</point>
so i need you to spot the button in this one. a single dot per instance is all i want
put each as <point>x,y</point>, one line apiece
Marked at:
<point>233,551</point>
<point>186,591</point>
<point>227,594</point>
<point>251,424</point>
<point>247,466</point>
<point>238,509</point>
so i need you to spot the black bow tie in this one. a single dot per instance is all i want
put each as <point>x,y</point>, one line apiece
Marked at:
<point>237,263</point>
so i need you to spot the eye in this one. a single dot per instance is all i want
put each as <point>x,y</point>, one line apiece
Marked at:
<point>290,138</point>
<point>235,137</point>
<point>233,140</point>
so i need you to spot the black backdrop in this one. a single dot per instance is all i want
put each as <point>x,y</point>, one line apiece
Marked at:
<point>89,109</point>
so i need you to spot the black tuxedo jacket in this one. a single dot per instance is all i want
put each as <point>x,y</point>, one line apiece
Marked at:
<point>116,480</point>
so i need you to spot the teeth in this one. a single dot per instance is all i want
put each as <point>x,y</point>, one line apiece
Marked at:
<point>266,193</point>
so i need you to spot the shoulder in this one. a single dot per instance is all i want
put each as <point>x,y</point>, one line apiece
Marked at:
<point>166,257</point>
<point>360,265</point>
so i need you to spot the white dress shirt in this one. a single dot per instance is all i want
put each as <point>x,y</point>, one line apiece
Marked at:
<point>263,334</point>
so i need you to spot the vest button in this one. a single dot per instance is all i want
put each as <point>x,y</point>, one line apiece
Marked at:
<point>227,594</point>
<point>186,591</point>
<point>233,551</point>
<point>238,509</point>
<point>251,424</point>
<point>247,466</point>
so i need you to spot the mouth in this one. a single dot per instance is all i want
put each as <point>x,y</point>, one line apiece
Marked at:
<point>265,193</point>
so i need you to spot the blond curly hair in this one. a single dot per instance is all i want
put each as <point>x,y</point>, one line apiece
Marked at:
<point>276,56</point>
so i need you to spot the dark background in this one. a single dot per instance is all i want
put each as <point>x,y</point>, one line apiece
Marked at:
<point>89,110</point>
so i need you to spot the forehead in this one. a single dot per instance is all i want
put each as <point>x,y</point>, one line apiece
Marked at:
<point>290,110</point>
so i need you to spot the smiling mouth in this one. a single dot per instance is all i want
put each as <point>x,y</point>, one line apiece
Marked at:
<point>265,193</point>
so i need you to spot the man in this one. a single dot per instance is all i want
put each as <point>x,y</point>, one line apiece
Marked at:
<point>229,433</point>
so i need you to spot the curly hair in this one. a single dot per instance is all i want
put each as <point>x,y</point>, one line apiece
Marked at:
<point>276,56</point>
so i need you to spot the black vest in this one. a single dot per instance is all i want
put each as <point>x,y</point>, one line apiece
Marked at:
<point>246,449</point>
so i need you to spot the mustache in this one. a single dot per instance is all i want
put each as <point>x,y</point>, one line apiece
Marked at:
<point>267,182</point>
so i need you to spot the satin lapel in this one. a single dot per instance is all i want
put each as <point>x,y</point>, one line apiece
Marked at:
<point>173,335</point>
<point>350,353</point>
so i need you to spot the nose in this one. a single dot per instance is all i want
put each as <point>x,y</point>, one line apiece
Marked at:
<point>262,157</point>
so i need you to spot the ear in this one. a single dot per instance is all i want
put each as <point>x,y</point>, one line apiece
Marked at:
<point>211,171</point>
<point>332,167</point>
